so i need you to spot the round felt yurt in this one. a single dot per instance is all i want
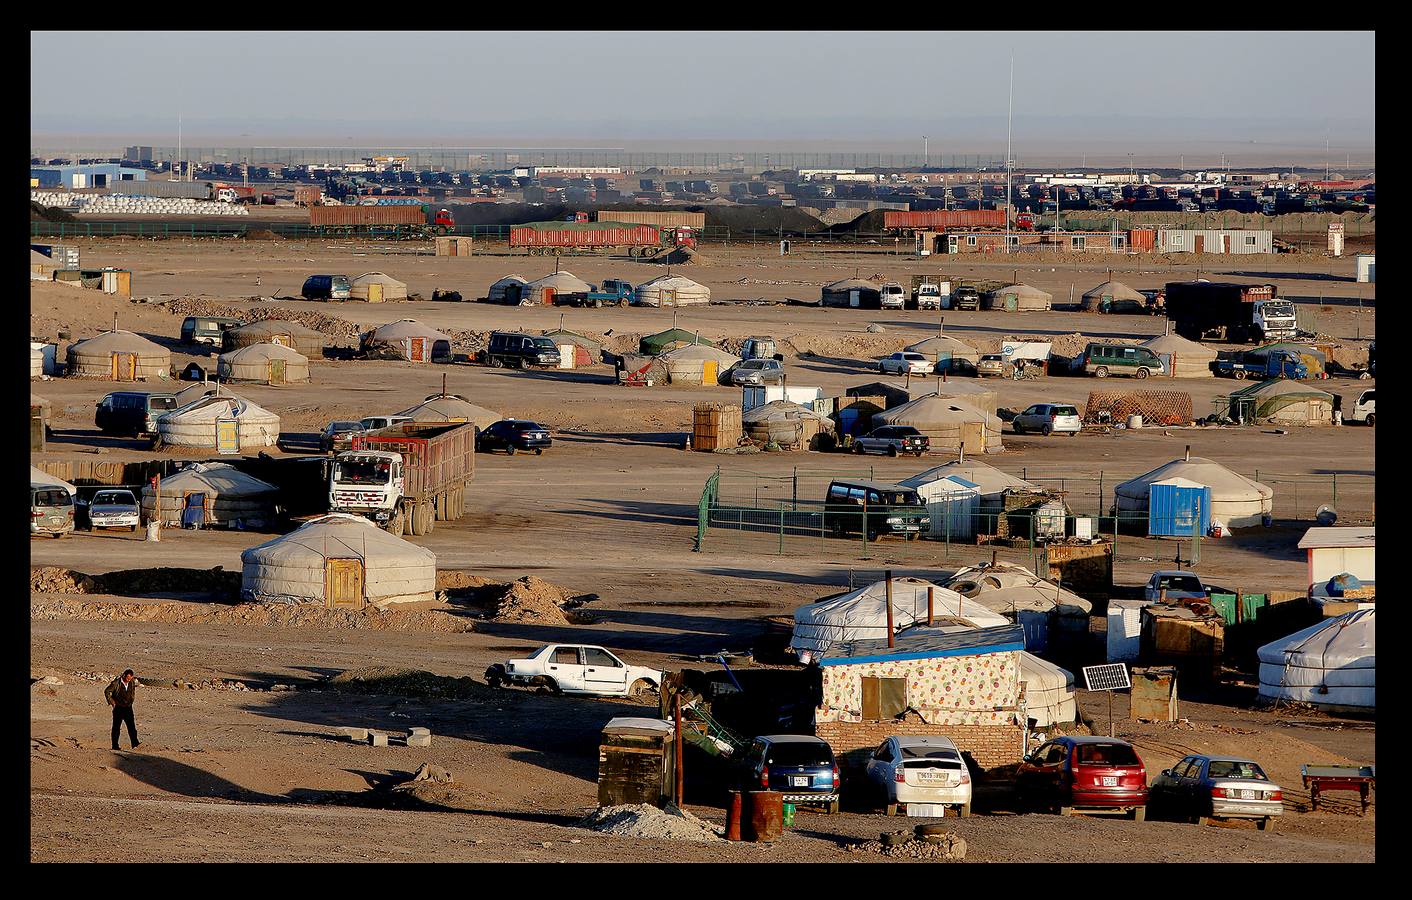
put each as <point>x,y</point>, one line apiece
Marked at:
<point>265,364</point>
<point>1183,358</point>
<point>1332,664</point>
<point>1282,402</point>
<point>297,337</point>
<point>785,423</point>
<point>672,290</point>
<point>219,493</point>
<point>697,364</point>
<point>339,561</point>
<point>947,354</point>
<point>451,408</point>
<point>948,423</point>
<point>509,290</point>
<point>542,291</point>
<point>225,422</point>
<point>1237,501</point>
<point>194,392</point>
<point>119,356</point>
<point>1099,299</point>
<point>406,339</point>
<point>855,292</point>
<point>1020,298</point>
<point>377,287</point>
<point>861,615</point>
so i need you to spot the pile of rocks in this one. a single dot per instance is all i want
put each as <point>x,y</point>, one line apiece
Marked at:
<point>944,845</point>
<point>643,820</point>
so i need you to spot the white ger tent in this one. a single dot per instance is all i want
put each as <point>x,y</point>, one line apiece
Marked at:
<point>38,476</point>
<point>340,561</point>
<point>1237,501</point>
<point>672,290</point>
<point>861,614</point>
<point>1331,664</point>
<point>231,497</point>
<point>207,423</point>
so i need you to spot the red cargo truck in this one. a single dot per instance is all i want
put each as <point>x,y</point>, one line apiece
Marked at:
<point>549,238</point>
<point>942,219</point>
<point>406,477</point>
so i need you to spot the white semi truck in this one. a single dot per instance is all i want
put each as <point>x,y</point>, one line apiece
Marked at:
<point>407,477</point>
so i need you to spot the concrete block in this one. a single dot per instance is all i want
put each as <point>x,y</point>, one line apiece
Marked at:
<point>419,730</point>
<point>377,739</point>
<point>357,735</point>
<point>418,740</point>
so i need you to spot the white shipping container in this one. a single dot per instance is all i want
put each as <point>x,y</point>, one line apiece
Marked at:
<point>753,396</point>
<point>1365,268</point>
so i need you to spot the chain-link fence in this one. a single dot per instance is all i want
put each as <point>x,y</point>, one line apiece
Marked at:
<point>805,512</point>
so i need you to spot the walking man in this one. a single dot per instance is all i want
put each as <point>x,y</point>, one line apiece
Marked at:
<point>120,694</point>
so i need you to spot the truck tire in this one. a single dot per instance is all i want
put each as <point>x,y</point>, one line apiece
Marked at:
<point>1238,374</point>
<point>1140,814</point>
<point>966,810</point>
<point>1141,372</point>
<point>1046,430</point>
<point>495,362</point>
<point>428,518</point>
<point>509,449</point>
<point>412,518</point>
<point>1372,417</point>
<point>1265,823</point>
<point>1101,371</point>
<point>397,524</point>
<point>597,304</point>
<point>439,507</point>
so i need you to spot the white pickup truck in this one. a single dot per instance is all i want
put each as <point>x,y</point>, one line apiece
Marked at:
<point>575,669</point>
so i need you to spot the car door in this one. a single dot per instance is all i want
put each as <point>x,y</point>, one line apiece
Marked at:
<point>604,673</point>
<point>1164,792</point>
<point>880,767</point>
<point>1026,419</point>
<point>565,666</point>
<point>1189,785</point>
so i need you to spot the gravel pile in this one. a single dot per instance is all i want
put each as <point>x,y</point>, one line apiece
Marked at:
<point>54,608</point>
<point>948,846</point>
<point>329,325</point>
<point>644,820</point>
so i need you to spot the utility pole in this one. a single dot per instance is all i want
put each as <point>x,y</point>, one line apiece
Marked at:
<point>177,173</point>
<point>926,153</point>
<point>1009,119</point>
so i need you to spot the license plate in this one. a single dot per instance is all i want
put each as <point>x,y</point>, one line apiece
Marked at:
<point>1245,795</point>
<point>1110,780</point>
<point>931,777</point>
<point>799,781</point>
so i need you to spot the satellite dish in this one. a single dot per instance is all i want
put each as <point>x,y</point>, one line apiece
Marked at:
<point>1326,515</point>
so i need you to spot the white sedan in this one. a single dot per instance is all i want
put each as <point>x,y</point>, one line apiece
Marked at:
<point>920,769</point>
<point>575,669</point>
<point>905,363</point>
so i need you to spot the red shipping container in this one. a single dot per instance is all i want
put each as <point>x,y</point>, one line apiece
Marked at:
<point>1143,240</point>
<point>934,219</point>
<point>367,215</point>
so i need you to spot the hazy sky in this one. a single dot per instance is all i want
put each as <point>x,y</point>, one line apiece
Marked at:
<point>627,88</point>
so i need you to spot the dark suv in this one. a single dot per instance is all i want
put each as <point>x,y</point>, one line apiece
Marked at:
<point>511,435</point>
<point>799,766</point>
<point>132,412</point>
<point>893,440</point>
<point>519,350</point>
<point>327,287</point>
<point>874,508</point>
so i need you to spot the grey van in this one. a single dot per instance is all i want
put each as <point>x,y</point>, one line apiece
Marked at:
<point>1103,360</point>
<point>327,287</point>
<point>51,510</point>
<point>132,412</point>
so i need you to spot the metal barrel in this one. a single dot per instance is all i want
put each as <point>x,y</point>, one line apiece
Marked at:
<point>765,819</point>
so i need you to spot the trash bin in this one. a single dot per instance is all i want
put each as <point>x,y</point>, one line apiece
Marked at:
<point>764,819</point>
<point>788,815</point>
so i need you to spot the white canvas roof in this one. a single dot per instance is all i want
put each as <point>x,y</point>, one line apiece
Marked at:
<point>1332,663</point>
<point>943,343</point>
<point>406,328</point>
<point>702,352</point>
<point>451,408</point>
<point>1115,289</point>
<point>194,425</point>
<point>1341,536</point>
<point>989,481</point>
<point>1179,346</point>
<point>292,568</point>
<point>862,614</point>
<point>684,291</point>
<point>39,476</point>
<point>1049,691</point>
<point>1005,587</point>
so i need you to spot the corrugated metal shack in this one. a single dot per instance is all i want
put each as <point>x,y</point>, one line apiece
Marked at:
<point>1214,240</point>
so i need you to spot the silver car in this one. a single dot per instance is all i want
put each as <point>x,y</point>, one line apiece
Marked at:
<point>905,363</point>
<point>920,770</point>
<point>757,371</point>
<point>1201,788</point>
<point>1047,418</point>
<point>1179,585</point>
<point>114,509</point>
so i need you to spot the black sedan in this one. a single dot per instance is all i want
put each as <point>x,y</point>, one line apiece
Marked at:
<point>512,435</point>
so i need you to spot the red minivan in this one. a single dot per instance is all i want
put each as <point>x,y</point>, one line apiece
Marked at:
<point>1084,774</point>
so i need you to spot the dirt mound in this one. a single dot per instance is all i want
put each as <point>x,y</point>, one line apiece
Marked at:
<point>413,683</point>
<point>861,346</point>
<point>329,325</point>
<point>532,600</point>
<point>644,820</point>
<point>52,608</point>
<point>41,213</point>
<point>221,584</point>
<point>679,256</point>
<point>263,234</point>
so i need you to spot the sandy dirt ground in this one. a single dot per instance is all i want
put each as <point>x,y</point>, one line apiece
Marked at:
<point>609,510</point>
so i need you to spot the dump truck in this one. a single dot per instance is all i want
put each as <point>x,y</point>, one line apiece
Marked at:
<point>1223,311</point>
<point>407,477</point>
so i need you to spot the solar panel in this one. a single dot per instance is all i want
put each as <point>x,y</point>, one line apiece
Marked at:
<point>1107,677</point>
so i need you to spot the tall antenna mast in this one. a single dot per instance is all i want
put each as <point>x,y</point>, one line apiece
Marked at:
<point>1009,117</point>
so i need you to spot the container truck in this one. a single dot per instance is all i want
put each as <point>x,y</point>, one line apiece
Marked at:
<point>398,221</point>
<point>553,238</point>
<point>942,219</point>
<point>1239,313</point>
<point>406,477</point>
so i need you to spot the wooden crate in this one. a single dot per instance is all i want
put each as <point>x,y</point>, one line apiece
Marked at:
<point>715,425</point>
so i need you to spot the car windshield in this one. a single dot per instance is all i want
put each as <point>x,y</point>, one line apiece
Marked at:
<point>162,403</point>
<point>1181,583</point>
<point>990,357</point>
<point>113,498</point>
<point>1106,755</point>
<point>753,364</point>
<point>544,343</point>
<point>1229,768</point>
<point>798,754</point>
<point>362,471</point>
<point>901,498</point>
<point>1064,411</point>
<point>56,497</point>
<point>338,427</point>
